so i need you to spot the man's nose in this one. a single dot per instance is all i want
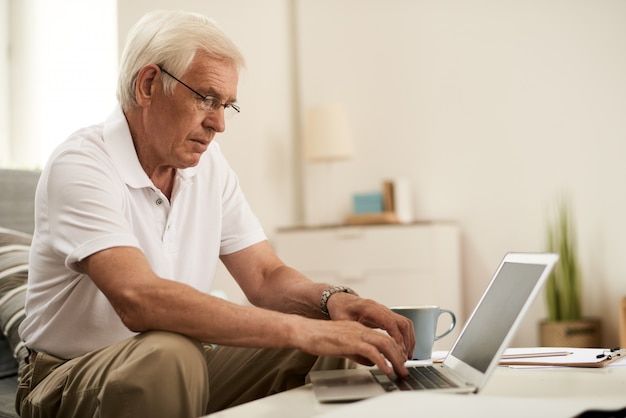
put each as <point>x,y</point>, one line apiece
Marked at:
<point>215,120</point>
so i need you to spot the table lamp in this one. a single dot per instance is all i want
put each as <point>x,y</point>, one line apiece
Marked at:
<point>327,139</point>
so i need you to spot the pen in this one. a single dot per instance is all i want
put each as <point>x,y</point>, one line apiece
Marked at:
<point>537,354</point>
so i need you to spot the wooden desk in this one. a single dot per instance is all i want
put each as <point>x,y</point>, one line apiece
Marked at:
<point>585,388</point>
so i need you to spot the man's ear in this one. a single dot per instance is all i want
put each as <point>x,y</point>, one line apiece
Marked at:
<point>147,78</point>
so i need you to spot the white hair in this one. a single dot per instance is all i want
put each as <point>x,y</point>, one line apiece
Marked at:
<point>170,39</point>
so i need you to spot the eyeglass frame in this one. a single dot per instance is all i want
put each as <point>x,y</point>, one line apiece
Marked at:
<point>216,103</point>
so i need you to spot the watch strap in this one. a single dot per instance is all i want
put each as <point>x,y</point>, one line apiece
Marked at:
<point>326,294</point>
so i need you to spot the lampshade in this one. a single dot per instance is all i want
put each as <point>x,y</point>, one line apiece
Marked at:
<point>327,135</point>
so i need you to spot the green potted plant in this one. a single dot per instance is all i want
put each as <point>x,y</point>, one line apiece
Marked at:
<point>565,325</point>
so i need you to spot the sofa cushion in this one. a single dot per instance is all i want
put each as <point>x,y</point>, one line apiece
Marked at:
<point>14,249</point>
<point>17,205</point>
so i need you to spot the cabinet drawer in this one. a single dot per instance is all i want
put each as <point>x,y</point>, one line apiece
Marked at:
<point>395,288</point>
<point>357,249</point>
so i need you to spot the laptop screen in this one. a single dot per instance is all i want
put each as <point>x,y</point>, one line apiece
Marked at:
<point>496,313</point>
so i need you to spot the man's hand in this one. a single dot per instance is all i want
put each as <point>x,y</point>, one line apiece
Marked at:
<point>352,340</point>
<point>344,306</point>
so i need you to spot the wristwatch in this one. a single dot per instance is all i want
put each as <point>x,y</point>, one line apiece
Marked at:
<point>326,294</point>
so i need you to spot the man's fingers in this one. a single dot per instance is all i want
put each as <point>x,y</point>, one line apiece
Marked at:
<point>401,330</point>
<point>387,350</point>
<point>356,341</point>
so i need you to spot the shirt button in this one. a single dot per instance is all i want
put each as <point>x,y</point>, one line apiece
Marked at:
<point>159,201</point>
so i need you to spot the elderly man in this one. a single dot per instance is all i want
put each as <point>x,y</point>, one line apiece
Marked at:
<point>132,217</point>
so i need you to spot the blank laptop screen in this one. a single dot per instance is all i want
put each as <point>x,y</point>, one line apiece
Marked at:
<point>496,313</point>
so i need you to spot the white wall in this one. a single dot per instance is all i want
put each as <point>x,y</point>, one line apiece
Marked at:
<point>489,107</point>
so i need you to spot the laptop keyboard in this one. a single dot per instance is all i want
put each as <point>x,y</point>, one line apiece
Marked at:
<point>423,377</point>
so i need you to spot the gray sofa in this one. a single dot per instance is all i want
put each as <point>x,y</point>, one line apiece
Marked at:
<point>17,191</point>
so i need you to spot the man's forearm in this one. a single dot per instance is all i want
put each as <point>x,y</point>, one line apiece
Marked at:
<point>287,290</point>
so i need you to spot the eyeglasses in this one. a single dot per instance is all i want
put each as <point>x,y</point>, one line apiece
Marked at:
<point>210,103</point>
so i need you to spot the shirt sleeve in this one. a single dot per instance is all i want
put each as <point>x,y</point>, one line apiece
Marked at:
<point>86,204</point>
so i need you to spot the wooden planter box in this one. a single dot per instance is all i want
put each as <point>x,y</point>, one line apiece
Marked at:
<point>584,333</point>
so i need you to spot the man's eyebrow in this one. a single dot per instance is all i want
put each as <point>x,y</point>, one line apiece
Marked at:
<point>210,91</point>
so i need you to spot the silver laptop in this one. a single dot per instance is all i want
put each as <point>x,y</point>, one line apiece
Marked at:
<point>477,350</point>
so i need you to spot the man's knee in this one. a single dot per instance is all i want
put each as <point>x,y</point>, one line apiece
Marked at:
<point>170,354</point>
<point>170,345</point>
<point>165,372</point>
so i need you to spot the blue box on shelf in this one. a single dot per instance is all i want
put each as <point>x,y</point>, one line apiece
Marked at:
<point>367,202</point>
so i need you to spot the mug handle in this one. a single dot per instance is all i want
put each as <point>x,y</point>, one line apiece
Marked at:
<point>452,324</point>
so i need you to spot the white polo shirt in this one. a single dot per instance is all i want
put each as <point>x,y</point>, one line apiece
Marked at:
<point>92,195</point>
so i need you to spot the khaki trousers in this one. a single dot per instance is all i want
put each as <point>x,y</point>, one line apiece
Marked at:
<point>159,374</point>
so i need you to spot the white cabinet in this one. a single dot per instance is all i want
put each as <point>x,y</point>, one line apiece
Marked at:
<point>408,264</point>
